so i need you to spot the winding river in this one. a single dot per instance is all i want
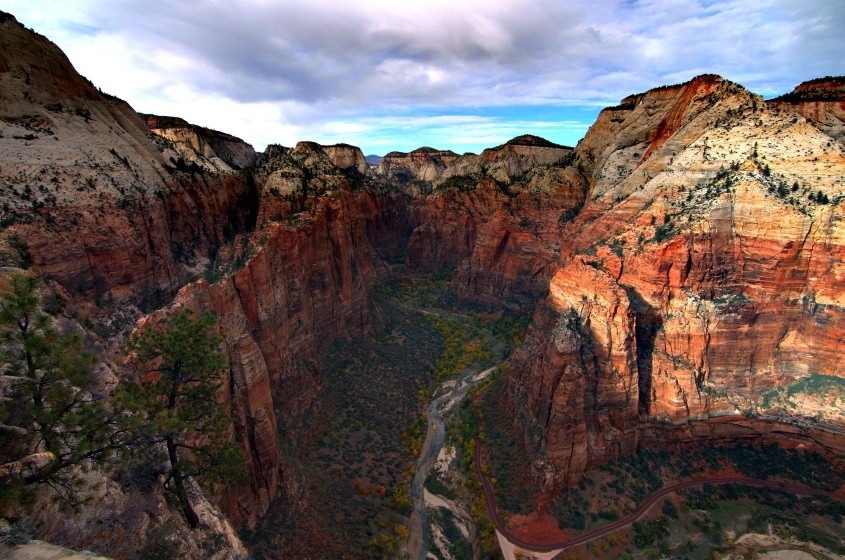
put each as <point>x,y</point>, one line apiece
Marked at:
<point>452,393</point>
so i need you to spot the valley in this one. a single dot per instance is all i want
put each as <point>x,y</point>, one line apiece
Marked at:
<point>565,330</point>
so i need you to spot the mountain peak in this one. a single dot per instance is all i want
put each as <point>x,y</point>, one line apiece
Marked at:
<point>531,140</point>
<point>829,88</point>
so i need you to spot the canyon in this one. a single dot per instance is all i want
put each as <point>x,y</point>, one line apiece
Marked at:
<point>683,265</point>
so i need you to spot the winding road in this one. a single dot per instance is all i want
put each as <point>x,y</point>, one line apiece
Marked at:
<point>641,510</point>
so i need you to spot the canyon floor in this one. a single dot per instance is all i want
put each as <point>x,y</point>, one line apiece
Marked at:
<point>358,458</point>
<point>365,436</point>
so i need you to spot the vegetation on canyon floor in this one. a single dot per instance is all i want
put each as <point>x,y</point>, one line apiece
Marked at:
<point>691,523</point>
<point>363,441</point>
<point>355,459</point>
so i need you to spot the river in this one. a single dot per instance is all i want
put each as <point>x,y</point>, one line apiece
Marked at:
<point>452,393</point>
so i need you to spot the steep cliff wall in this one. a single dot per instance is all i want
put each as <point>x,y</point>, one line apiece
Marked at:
<point>820,101</point>
<point>498,220</point>
<point>576,376</point>
<point>117,213</point>
<point>96,197</point>
<point>718,219</point>
<point>305,284</point>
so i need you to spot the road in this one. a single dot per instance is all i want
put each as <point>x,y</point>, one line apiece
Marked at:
<point>641,510</point>
<point>435,437</point>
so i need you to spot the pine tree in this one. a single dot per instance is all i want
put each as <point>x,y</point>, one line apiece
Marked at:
<point>49,419</point>
<point>173,408</point>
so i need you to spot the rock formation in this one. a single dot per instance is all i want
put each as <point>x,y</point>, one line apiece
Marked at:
<point>344,156</point>
<point>821,102</point>
<point>684,262</point>
<point>305,283</point>
<point>498,218</point>
<point>115,213</point>
<point>700,277</point>
<point>101,203</point>
<point>213,150</point>
<point>423,164</point>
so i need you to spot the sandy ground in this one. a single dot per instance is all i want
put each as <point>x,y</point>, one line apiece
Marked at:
<point>512,552</point>
<point>445,458</point>
<point>782,549</point>
<point>37,550</point>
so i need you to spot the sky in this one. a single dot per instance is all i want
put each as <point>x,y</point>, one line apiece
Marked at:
<point>396,75</point>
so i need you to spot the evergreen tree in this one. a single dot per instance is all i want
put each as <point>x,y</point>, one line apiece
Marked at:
<point>173,409</point>
<point>49,419</point>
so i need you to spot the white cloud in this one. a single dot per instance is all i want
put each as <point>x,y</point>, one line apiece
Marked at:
<point>268,70</point>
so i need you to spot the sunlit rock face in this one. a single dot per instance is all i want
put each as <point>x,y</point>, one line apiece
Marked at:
<point>706,266</point>
<point>684,263</point>
<point>820,101</point>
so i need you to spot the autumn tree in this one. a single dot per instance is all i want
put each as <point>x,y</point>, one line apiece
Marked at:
<point>173,409</point>
<point>51,424</point>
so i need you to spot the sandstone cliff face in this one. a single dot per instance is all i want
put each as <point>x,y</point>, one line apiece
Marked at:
<point>305,285</point>
<point>114,212</point>
<point>423,164</point>
<point>108,210</point>
<point>344,156</point>
<point>213,150</point>
<point>704,211</point>
<point>92,192</point>
<point>577,374</point>
<point>498,219</point>
<point>513,159</point>
<point>448,222</point>
<point>821,101</point>
<point>515,250</point>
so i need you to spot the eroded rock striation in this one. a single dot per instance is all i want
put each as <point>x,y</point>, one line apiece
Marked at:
<point>701,277</point>
<point>100,200</point>
<point>684,263</point>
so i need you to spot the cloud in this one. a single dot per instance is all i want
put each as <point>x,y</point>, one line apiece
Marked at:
<point>307,66</point>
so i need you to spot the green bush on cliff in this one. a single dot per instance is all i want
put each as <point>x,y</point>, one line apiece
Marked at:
<point>50,419</point>
<point>174,408</point>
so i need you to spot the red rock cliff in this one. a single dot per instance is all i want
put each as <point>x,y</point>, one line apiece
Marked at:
<point>498,218</point>
<point>707,263</point>
<point>305,285</point>
<point>102,203</point>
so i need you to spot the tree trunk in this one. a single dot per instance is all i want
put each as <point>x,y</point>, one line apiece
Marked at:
<point>178,481</point>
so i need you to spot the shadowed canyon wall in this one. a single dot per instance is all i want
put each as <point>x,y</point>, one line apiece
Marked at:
<point>683,263</point>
